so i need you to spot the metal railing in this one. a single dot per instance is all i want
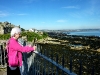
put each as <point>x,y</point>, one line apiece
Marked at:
<point>40,64</point>
<point>3,63</point>
<point>48,66</point>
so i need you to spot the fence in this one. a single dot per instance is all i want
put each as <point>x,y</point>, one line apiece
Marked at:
<point>41,64</point>
<point>2,57</point>
<point>48,66</point>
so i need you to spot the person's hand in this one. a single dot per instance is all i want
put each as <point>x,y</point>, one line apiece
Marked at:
<point>30,45</point>
<point>34,47</point>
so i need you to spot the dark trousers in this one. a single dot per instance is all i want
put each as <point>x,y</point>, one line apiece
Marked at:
<point>13,72</point>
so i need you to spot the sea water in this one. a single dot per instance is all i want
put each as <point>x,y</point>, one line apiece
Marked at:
<point>85,33</point>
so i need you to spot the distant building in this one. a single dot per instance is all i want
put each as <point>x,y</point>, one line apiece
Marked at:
<point>33,30</point>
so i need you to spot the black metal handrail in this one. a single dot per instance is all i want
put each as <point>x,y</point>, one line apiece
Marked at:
<point>63,69</point>
<point>41,64</point>
<point>2,57</point>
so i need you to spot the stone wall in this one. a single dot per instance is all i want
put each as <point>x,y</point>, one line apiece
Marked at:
<point>5,27</point>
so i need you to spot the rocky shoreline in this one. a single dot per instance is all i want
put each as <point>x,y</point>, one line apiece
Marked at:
<point>75,42</point>
<point>50,40</point>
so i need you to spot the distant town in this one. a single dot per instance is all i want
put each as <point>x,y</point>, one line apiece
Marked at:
<point>5,27</point>
<point>70,30</point>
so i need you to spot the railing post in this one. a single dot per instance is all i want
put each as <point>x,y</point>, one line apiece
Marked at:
<point>52,69</point>
<point>4,51</point>
<point>47,53</point>
<point>57,58</point>
<point>57,63</point>
<point>52,56</point>
<point>39,67</point>
<point>92,70</point>
<point>34,66</point>
<point>63,61</point>
<point>63,64</point>
<point>70,64</point>
<point>41,49</point>
<point>92,57</point>
<point>1,54</point>
<point>80,68</point>
<point>44,53</point>
<point>4,59</point>
<point>44,73</point>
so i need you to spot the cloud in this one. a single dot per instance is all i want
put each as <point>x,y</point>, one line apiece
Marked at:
<point>61,21</point>
<point>3,14</point>
<point>22,14</point>
<point>71,7</point>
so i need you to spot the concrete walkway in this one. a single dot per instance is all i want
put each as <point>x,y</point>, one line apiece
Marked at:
<point>3,72</point>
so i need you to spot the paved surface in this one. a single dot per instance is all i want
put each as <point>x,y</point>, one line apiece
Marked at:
<point>3,73</point>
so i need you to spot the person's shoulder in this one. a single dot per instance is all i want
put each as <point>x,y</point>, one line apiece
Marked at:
<point>12,40</point>
<point>7,41</point>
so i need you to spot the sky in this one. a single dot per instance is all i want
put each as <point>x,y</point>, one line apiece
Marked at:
<point>51,14</point>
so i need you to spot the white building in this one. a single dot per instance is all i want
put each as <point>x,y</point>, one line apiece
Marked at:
<point>33,30</point>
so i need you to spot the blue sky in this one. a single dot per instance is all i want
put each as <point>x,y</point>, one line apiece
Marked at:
<point>51,14</point>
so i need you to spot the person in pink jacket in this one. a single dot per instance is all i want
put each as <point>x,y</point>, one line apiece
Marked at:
<point>14,48</point>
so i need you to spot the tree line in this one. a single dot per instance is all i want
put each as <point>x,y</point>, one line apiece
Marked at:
<point>30,36</point>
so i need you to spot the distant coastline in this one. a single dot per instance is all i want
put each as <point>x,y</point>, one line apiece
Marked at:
<point>85,33</point>
<point>69,30</point>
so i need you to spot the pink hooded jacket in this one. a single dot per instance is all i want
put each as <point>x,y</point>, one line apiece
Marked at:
<point>14,47</point>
